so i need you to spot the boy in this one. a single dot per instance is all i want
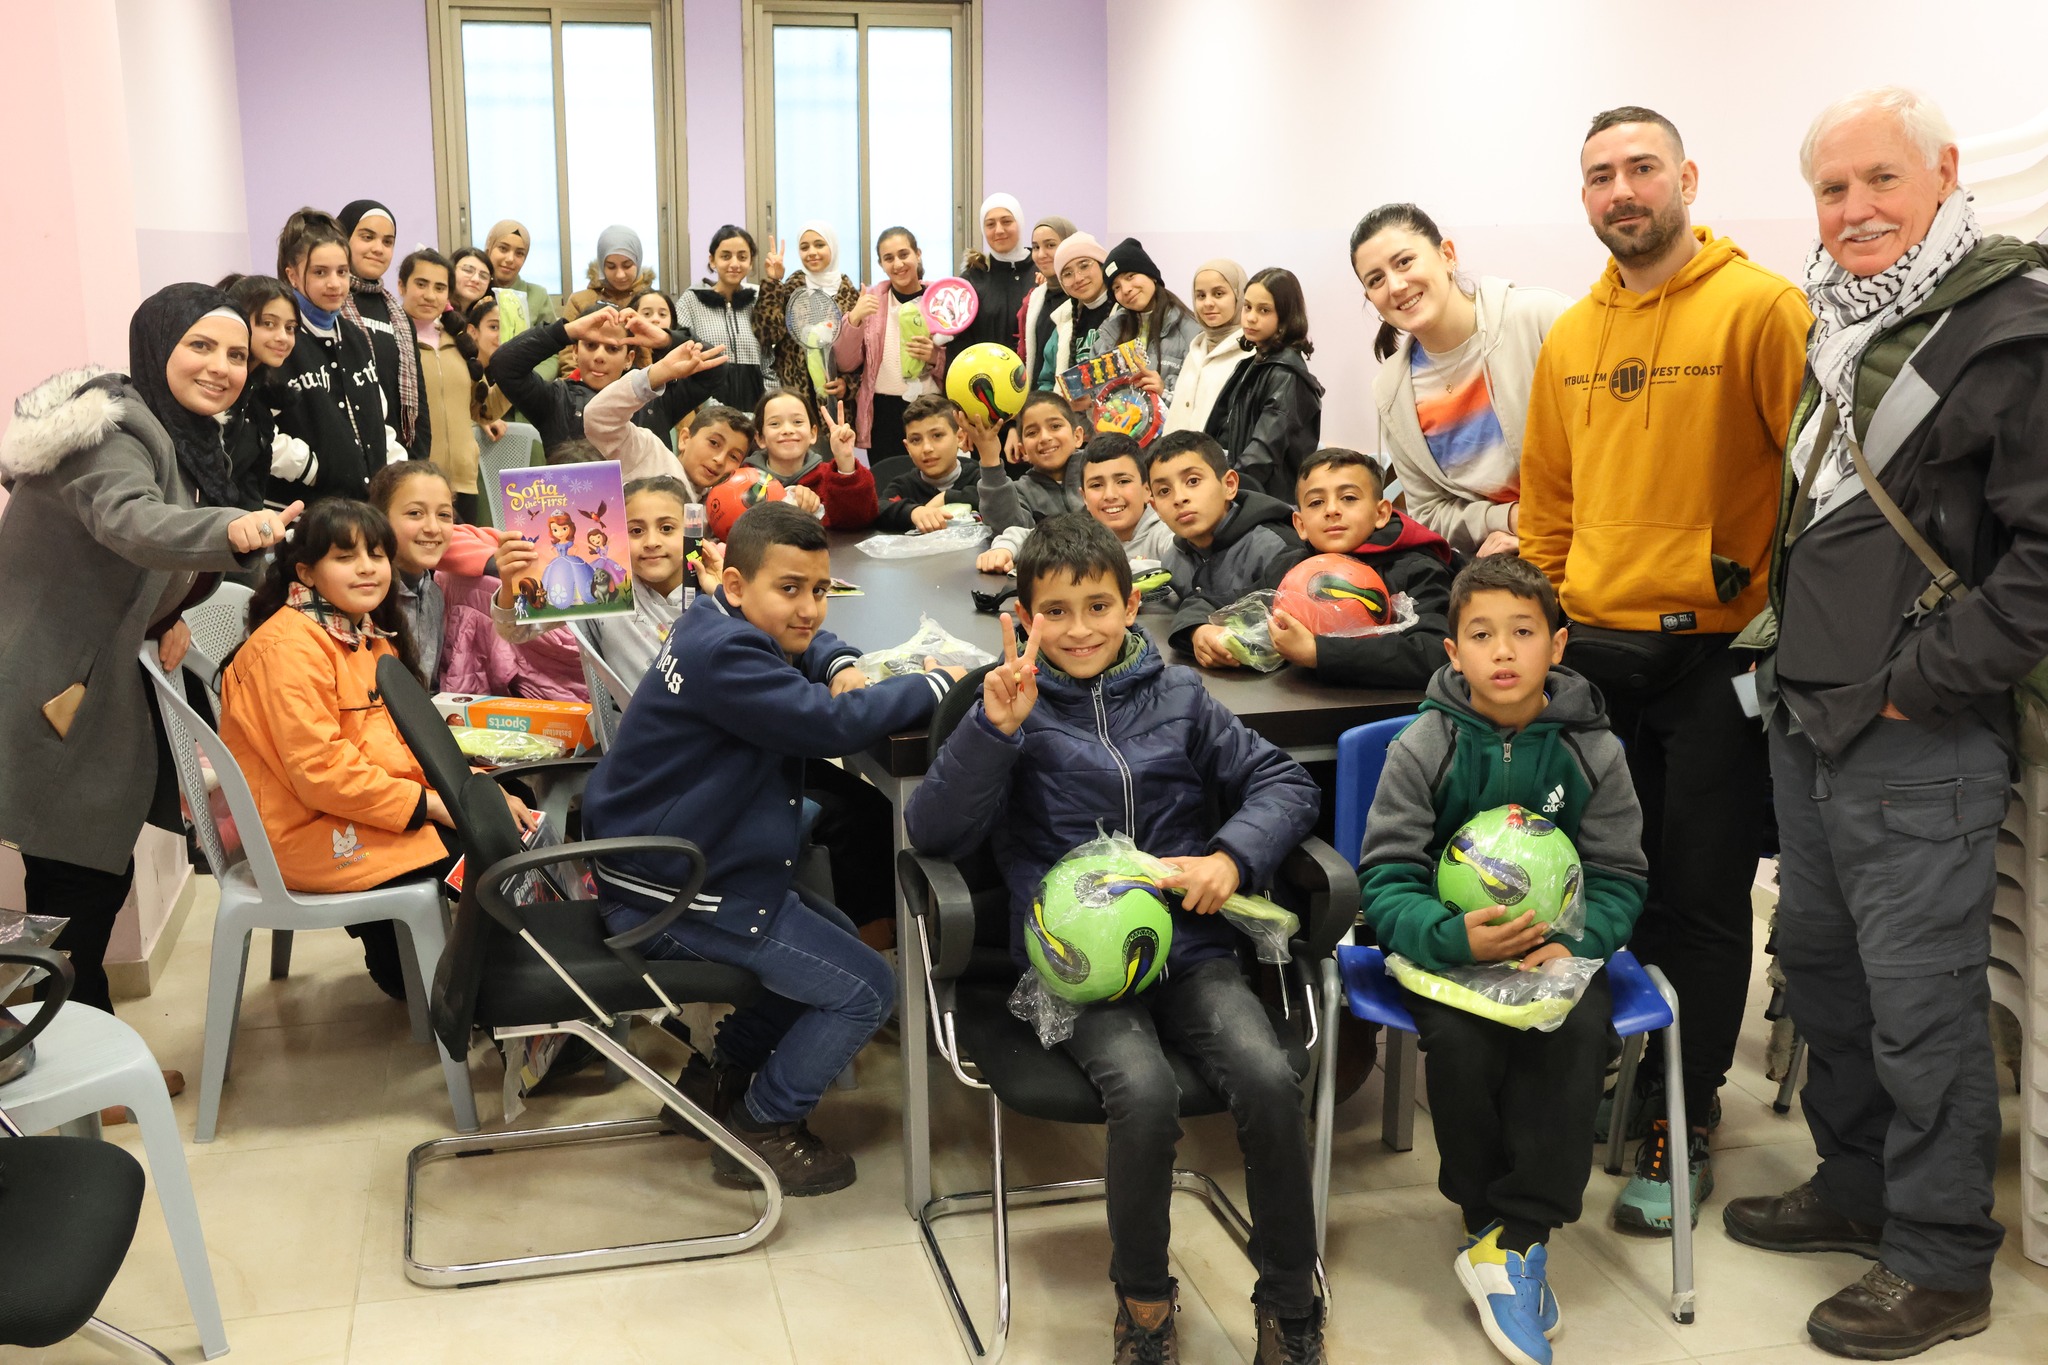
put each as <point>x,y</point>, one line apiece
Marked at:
<point>1113,487</point>
<point>1050,435</point>
<point>624,421</point>
<point>1226,540</point>
<point>1344,510</point>
<point>1513,1110</point>
<point>1026,768</point>
<point>916,499</point>
<point>603,340</point>
<point>712,750</point>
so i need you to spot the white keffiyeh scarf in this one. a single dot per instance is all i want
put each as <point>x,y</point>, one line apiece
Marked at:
<point>1851,311</point>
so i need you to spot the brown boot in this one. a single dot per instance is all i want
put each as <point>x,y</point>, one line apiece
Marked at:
<point>1884,1317</point>
<point>1144,1329</point>
<point>804,1163</point>
<point>712,1088</point>
<point>1290,1341</point>
<point>1797,1221</point>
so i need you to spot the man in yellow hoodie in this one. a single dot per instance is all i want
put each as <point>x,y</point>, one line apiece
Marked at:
<point>1650,475</point>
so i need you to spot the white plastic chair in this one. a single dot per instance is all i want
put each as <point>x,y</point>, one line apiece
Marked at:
<point>518,448</point>
<point>609,693</point>
<point>253,896</point>
<point>219,624</point>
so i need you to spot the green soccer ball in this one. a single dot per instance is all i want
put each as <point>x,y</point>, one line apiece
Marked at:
<point>1512,858</point>
<point>1099,929</point>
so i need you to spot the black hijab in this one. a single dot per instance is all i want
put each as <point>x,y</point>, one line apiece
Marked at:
<point>153,333</point>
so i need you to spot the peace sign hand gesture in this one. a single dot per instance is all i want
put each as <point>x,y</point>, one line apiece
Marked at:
<point>1010,690</point>
<point>771,264</point>
<point>842,438</point>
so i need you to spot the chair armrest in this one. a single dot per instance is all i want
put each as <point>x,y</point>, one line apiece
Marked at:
<point>543,766</point>
<point>59,968</point>
<point>1331,888</point>
<point>938,895</point>
<point>490,888</point>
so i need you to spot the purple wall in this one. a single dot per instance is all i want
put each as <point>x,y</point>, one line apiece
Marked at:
<point>302,128</point>
<point>1045,69</point>
<point>715,121</point>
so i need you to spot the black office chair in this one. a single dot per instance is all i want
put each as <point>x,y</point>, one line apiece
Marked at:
<point>67,1212</point>
<point>962,913</point>
<point>522,971</point>
<point>890,469</point>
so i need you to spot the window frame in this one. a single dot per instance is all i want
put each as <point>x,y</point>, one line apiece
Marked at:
<point>757,46</point>
<point>451,144</point>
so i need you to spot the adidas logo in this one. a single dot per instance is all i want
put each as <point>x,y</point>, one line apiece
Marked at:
<point>1554,802</point>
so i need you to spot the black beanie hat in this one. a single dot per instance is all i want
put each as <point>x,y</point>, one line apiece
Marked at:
<point>1129,255</point>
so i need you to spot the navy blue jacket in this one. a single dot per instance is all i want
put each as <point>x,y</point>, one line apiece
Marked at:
<point>1140,749</point>
<point>712,750</point>
<point>1256,535</point>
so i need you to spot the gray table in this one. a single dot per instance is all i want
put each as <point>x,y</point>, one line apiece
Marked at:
<point>1289,708</point>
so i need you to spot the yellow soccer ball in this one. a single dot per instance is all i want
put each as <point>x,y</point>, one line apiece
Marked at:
<point>986,381</point>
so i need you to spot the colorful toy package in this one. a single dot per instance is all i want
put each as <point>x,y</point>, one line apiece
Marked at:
<point>576,513</point>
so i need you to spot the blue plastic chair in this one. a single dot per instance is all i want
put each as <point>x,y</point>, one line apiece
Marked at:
<point>1361,756</point>
<point>1644,1003</point>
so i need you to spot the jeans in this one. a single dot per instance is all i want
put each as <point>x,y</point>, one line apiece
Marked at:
<point>827,993</point>
<point>1885,884</point>
<point>1209,1013</point>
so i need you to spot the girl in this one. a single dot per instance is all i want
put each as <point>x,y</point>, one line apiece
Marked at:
<point>892,370</point>
<point>506,245</point>
<point>615,276</point>
<point>444,588</point>
<point>1455,394</point>
<point>817,247</point>
<point>1217,353</point>
<point>343,800</point>
<point>325,393</point>
<point>1001,278</point>
<point>1034,319</point>
<point>786,426</point>
<point>1269,416</point>
<point>1147,312</point>
<point>720,312</point>
<point>372,238</point>
<point>658,308</point>
<point>1050,434</point>
<point>424,276</point>
<point>266,303</point>
<point>471,279</point>
<point>1074,333</point>
<point>487,406</point>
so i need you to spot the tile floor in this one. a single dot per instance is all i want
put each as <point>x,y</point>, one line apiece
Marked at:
<point>303,1191</point>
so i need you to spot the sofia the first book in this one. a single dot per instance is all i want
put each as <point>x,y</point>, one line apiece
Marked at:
<point>576,514</point>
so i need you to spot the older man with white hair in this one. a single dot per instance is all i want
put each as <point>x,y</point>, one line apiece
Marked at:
<point>1909,594</point>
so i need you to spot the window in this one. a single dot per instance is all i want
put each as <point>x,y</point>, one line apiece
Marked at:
<point>558,115</point>
<point>859,118</point>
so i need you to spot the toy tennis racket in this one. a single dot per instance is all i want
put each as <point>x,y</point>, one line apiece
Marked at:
<point>813,318</point>
<point>949,306</point>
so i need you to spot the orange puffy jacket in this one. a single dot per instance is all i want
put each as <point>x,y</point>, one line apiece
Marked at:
<point>333,781</point>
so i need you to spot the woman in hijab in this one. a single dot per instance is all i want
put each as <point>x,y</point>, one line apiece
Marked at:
<point>817,250</point>
<point>1215,355</point>
<point>1034,319</point>
<point>121,514</point>
<point>372,239</point>
<point>1001,276</point>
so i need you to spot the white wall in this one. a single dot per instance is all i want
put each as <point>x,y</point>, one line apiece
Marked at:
<point>1311,113</point>
<point>185,137</point>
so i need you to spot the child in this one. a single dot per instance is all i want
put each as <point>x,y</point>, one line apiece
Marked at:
<point>1344,511</point>
<point>616,276</point>
<point>424,278</point>
<point>370,305</point>
<point>325,394</point>
<point>786,428</point>
<point>891,371</point>
<point>1026,770</point>
<point>654,520</point>
<point>718,440</point>
<point>817,247</point>
<point>712,750</point>
<point>1512,1109</point>
<point>1217,353</point>
<point>1002,277</point>
<point>1226,540</point>
<point>344,803</point>
<point>660,311</point>
<point>1074,327</point>
<point>916,499</point>
<point>481,327</point>
<point>1049,434</point>
<point>252,436</point>
<point>1270,414</point>
<point>603,352</point>
<point>507,244</point>
<point>471,278</point>
<point>1147,311</point>
<point>443,587</point>
<point>1034,319</point>
<point>1113,491</point>
<point>720,312</point>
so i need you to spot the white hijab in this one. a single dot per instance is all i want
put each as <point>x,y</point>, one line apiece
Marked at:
<point>824,279</point>
<point>1006,201</point>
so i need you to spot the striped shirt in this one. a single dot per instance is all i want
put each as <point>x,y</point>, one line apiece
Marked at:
<point>1455,409</point>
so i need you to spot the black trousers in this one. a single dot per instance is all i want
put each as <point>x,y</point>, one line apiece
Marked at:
<point>90,899</point>
<point>1701,775</point>
<point>885,429</point>
<point>1513,1111</point>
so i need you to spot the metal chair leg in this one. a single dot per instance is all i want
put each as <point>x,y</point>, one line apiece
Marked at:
<point>1624,1096</point>
<point>280,954</point>
<point>1789,1087</point>
<point>1681,1165</point>
<point>1326,1098</point>
<point>121,1343</point>
<point>1397,1107</point>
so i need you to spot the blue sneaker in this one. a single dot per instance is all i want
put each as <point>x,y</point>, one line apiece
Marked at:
<point>1644,1204</point>
<point>1510,1291</point>
<point>1547,1313</point>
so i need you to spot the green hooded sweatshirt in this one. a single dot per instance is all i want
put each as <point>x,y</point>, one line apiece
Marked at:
<point>1453,763</point>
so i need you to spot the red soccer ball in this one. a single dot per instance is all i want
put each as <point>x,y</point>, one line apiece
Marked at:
<point>1334,594</point>
<point>743,488</point>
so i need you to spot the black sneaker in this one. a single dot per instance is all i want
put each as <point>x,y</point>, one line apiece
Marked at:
<point>1290,1341</point>
<point>714,1089</point>
<point>804,1163</point>
<point>1137,1344</point>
